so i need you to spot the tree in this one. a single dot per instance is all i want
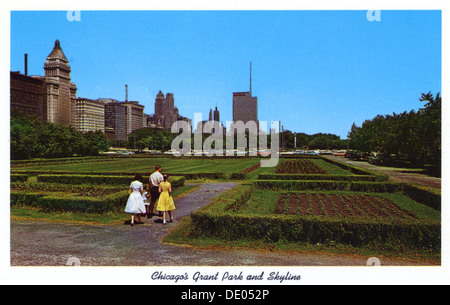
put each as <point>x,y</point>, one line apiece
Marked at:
<point>413,135</point>
<point>32,139</point>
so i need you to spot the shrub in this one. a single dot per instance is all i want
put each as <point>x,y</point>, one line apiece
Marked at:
<point>77,193</point>
<point>318,177</point>
<point>238,176</point>
<point>220,220</point>
<point>19,177</point>
<point>70,203</point>
<point>101,179</point>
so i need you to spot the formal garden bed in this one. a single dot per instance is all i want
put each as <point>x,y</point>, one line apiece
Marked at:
<point>75,193</point>
<point>304,200</point>
<point>388,221</point>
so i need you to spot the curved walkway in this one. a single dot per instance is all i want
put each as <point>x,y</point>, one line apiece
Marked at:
<point>40,243</point>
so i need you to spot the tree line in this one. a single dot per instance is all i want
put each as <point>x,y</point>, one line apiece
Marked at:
<point>156,139</point>
<point>32,139</point>
<point>414,135</point>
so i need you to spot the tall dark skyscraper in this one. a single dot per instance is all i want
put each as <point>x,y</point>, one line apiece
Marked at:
<point>245,106</point>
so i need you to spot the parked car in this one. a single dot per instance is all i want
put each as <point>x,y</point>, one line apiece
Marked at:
<point>378,159</point>
<point>357,155</point>
<point>125,152</point>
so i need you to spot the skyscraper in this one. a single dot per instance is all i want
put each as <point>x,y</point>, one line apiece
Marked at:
<point>245,106</point>
<point>61,92</point>
<point>90,115</point>
<point>115,120</point>
<point>134,116</point>
<point>165,112</point>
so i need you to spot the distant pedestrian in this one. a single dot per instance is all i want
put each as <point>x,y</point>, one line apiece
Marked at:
<point>135,204</point>
<point>165,201</point>
<point>155,179</point>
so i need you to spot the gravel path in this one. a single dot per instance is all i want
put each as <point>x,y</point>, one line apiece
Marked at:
<point>39,243</point>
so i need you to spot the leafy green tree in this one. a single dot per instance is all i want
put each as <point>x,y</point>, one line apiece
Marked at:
<point>414,135</point>
<point>32,139</point>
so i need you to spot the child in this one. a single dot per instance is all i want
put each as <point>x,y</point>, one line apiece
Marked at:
<point>145,196</point>
<point>135,204</point>
<point>165,201</point>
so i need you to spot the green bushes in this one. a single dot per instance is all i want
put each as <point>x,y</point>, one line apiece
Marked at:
<point>199,176</point>
<point>77,193</point>
<point>424,196</point>
<point>222,219</point>
<point>356,170</point>
<point>320,177</point>
<point>69,202</point>
<point>100,179</point>
<point>18,177</point>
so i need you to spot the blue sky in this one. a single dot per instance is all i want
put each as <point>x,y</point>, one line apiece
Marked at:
<point>315,71</point>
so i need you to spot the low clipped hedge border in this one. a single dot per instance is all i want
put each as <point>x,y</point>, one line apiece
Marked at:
<point>421,195</point>
<point>69,202</point>
<point>188,176</point>
<point>19,177</point>
<point>176,181</point>
<point>320,177</point>
<point>326,185</point>
<point>218,219</point>
<point>354,169</point>
<point>51,202</point>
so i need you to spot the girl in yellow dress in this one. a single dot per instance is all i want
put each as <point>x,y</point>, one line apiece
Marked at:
<point>165,201</point>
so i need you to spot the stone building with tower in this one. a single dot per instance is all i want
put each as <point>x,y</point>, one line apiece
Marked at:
<point>165,112</point>
<point>61,92</point>
<point>52,97</point>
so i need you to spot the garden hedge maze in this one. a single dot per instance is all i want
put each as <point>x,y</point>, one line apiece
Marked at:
<point>301,202</point>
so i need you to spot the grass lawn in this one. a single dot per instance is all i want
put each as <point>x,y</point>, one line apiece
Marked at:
<point>141,165</point>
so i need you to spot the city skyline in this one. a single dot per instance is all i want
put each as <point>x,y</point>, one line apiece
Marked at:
<point>315,71</point>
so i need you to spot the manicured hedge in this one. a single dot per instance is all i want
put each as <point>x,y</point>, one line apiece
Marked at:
<point>238,176</point>
<point>19,177</point>
<point>320,177</point>
<point>218,219</point>
<point>188,176</point>
<point>199,176</point>
<point>101,179</point>
<point>356,170</point>
<point>427,197</point>
<point>77,195</point>
<point>70,203</point>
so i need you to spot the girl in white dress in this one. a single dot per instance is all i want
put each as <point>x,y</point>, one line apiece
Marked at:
<point>145,196</point>
<point>135,204</point>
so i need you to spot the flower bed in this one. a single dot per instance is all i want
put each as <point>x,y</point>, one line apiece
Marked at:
<point>380,224</point>
<point>340,205</point>
<point>298,166</point>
